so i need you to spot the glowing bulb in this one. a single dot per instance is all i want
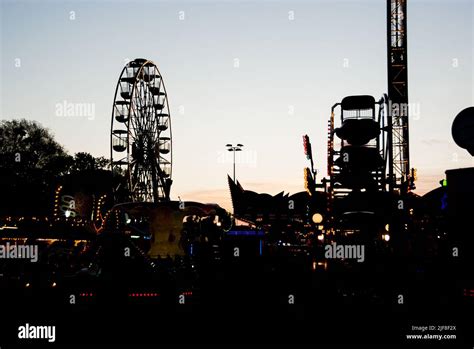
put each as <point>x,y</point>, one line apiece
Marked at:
<point>317,218</point>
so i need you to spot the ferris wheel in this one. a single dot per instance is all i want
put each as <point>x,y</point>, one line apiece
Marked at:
<point>140,136</point>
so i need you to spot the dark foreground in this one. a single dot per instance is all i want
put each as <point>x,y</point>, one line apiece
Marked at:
<point>250,300</point>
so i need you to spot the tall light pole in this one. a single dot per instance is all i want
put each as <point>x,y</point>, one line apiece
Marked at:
<point>233,149</point>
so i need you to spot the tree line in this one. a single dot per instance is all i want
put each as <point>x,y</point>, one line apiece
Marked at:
<point>32,163</point>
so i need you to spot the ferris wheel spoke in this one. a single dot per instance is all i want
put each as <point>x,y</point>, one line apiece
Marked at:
<point>139,105</point>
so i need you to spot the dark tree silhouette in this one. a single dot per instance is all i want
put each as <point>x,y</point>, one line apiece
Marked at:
<point>85,162</point>
<point>26,145</point>
<point>32,163</point>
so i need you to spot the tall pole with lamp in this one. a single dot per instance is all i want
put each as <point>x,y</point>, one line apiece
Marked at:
<point>234,149</point>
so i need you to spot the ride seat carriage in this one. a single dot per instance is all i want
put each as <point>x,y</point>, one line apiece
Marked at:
<point>359,132</point>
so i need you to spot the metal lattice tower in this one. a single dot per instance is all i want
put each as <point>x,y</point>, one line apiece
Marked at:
<point>398,111</point>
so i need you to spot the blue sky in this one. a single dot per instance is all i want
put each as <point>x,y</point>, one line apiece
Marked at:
<point>289,74</point>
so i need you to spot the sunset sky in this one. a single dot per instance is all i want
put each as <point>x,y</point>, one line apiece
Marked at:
<point>257,73</point>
